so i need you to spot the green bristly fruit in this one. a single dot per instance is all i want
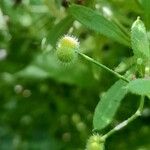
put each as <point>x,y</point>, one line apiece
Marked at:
<point>66,49</point>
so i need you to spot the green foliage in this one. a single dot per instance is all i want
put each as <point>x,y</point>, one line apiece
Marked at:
<point>140,43</point>
<point>98,23</point>
<point>44,67</point>
<point>145,6</point>
<point>61,28</point>
<point>139,86</point>
<point>108,105</point>
<point>45,104</point>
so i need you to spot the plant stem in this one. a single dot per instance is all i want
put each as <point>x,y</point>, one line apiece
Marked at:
<point>102,66</point>
<point>126,122</point>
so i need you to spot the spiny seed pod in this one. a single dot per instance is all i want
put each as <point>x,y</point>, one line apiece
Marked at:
<point>66,49</point>
<point>95,142</point>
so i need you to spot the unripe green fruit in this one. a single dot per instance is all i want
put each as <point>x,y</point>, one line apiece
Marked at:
<point>93,146</point>
<point>65,54</point>
<point>95,142</point>
<point>66,49</point>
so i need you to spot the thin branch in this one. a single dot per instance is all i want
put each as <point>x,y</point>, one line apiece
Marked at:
<point>102,66</point>
<point>126,122</point>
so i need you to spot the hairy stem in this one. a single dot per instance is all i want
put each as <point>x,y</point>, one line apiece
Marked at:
<point>102,66</point>
<point>126,122</point>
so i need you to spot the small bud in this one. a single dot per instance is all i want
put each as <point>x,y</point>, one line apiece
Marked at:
<point>95,142</point>
<point>66,49</point>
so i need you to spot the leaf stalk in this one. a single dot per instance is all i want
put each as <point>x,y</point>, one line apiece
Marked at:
<point>102,66</point>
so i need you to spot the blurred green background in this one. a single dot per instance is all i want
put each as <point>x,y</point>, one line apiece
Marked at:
<point>45,105</point>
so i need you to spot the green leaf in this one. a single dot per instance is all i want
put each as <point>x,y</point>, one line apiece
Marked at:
<point>108,105</point>
<point>98,23</point>
<point>139,39</point>
<point>59,29</point>
<point>139,86</point>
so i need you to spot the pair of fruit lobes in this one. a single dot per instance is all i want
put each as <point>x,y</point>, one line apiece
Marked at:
<point>66,49</point>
